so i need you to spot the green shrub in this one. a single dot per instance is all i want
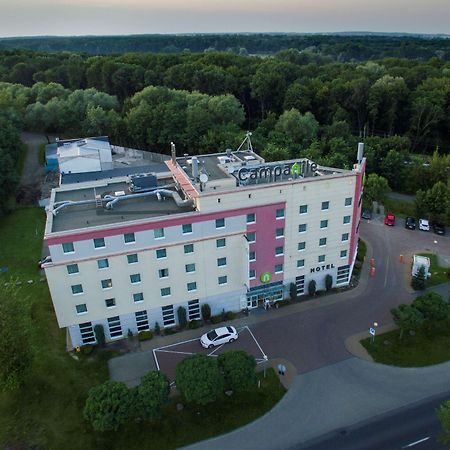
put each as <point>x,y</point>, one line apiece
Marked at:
<point>238,369</point>
<point>157,329</point>
<point>145,335</point>
<point>171,330</point>
<point>216,319</point>
<point>281,303</point>
<point>194,324</point>
<point>293,291</point>
<point>99,334</point>
<point>362,250</point>
<point>312,288</point>
<point>206,312</point>
<point>87,349</point>
<point>230,315</point>
<point>181,313</point>
<point>328,282</point>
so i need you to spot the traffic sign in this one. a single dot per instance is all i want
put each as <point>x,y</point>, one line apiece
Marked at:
<point>372,331</point>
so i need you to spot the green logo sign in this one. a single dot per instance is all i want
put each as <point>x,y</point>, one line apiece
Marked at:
<point>265,277</point>
<point>295,169</point>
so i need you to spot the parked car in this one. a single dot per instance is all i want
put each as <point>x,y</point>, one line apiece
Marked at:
<point>424,225</point>
<point>219,336</point>
<point>410,223</point>
<point>366,214</point>
<point>438,228</point>
<point>389,220</point>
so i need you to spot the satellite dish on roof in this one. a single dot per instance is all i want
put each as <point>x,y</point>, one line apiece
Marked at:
<point>203,177</point>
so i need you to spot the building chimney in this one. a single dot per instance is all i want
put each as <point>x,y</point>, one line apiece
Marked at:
<point>173,153</point>
<point>360,152</point>
<point>195,168</point>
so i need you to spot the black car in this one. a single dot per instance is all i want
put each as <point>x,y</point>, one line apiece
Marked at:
<point>410,223</point>
<point>366,214</point>
<point>438,228</point>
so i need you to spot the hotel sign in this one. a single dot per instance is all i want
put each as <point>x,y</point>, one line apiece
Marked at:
<point>321,268</point>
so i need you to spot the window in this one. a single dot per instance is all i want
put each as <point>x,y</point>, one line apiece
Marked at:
<point>87,333</point>
<point>165,292</point>
<point>300,284</point>
<point>138,297</point>
<point>190,268</point>
<point>77,289</point>
<point>279,233</point>
<point>163,273</point>
<point>158,233</point>
<point>103,263</point>
<point>192,286</point>
<point>252,274</point>
<point>343,274</point>
<point>343,253</point>
<point>221,262</point>
<point>251,237</point>
<point>303,209</point>
<point>345,237</point>
<point>141,321</point>
<point>110,302</point>
<point>220,243</point>
<point>189,248</point>
<point>72,269</point>
<point>161,253</point>
<point>252,256</point>
<point>223,279</point>
<point>322,242</point>
<point>280,213</point>
<point>251,218</point>
<point>68,247</point>
<point>301,246</point>
<point>132,259</point>
<point>194,309</point>
<point>129,238</point>
<point>81,309</point>
<point>106,284</point>
<point>135,278</point>
<point>321,258</point>
<point>220,223</point>
<point>187,228</point>
<point>348,201</point>
<point>346,219</point>
<point>324,224</point>
<point>99,243</point>
<point>278,268</point>
<point>279,251</point>
<point>302,228</point>
<point>325,206</point>
<point>115,329</point>
<point>300,263</point>
<point>168,315</point>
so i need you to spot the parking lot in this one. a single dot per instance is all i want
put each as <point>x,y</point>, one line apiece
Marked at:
<point>168,356</point>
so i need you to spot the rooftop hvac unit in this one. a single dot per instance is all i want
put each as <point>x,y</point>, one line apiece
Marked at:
<point>143,182</point>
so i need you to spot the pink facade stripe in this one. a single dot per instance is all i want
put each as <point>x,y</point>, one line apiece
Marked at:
<point>183,179</point>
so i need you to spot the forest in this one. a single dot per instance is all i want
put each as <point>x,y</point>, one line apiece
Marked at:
<point>295,103</point>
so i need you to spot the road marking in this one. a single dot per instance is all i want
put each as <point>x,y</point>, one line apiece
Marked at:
<point>387,271</point>
<point>156,360</point>
<point>261,350</point>
<point>174,351</point>
<point>417,442</point>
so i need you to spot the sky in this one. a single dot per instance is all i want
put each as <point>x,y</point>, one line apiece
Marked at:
<point>118,17</point>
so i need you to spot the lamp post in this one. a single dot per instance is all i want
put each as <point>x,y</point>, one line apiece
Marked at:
<point>375,324</point>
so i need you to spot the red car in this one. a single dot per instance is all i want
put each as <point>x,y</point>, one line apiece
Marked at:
<point>389,220</point>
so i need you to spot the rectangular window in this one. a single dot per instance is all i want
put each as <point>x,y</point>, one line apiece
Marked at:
<point>300,284</point>
<point>322,242</point>
<point>132,259</point>
<point>280,213</point>
<point>251,218</point>
<point>302,228</point>
<point>303,209</point>
<point>300,263</point>
<point>135,278</point>
<point>252,274</point>
<point>163,273</point>
<point>220,223</point>
<point>346,219</point>
<point>115,329</point>
<point>321,258</point>
<point>220,243</point>
<point>68,247</point>
<point>81,309</point>
<point>99,242</point>
<point>103,263</point>
<point>138,297</point>
<point>87,333</point>
<point>221,262</point>
<point>278,268</point>
<point>189,248</point>
<point>191,286</point>
<point>77,289</point>
<point>161,253</point>
<point>324,224</point>
<point>129,238</point>
<point>222,280</point>
<point>301,246</point>
<point>279,251</point>
<point>325,206</point>
<point>110,302</point>
<point>252,256</point>
<point>345,237</point>
<point>343,274</point>
<point>348,201</point>
<point>165,292</point>
<point>106,284</point>
<point>158,233</point>
<point>187,228</point>
<point>72,269</point>
<point>168,315</point>
<point>251,237</point>
<point>343,253</point>
<point>190,268</point>
<point>194,309</point>
<point>279,233</point>
<point>141,321</point>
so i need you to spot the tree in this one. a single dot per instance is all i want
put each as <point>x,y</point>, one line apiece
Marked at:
<point>443,414</point>
<point>393,169</point>
<point>432,306</point>
<point>376,189</point>
<point>108,406</point>
<point>15,351</point>
<point>198,379</point>
<point>152,394</point>
<point>438,199</point>
<point>275,153</point>
<point>418,279</point>
<point>181,313</point>
<point>206,312</point>
<point>293,291</point>
<point>328,282</point>
<point>421,203</point>
<point>238,369</point>
<point>406,317</point>
<point>312,288</point>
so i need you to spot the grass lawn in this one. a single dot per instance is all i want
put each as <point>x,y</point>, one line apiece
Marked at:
<point>399,208</point>
<point>47,411</point>
<point>438,273</point>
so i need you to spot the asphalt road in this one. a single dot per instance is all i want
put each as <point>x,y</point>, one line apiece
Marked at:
<point>415,427</point>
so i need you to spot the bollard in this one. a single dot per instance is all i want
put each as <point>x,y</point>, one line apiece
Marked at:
<point>372,262</point>
<point>401,259</point>
<point>372,271</point>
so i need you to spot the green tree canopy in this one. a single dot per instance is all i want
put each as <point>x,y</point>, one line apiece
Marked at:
<point>152,395</point>
<point>376,188</point>
<point>238,368</point>
<point>407,317</point>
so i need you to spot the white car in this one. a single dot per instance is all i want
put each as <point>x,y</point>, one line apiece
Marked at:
<point>424,225</point>
<point>219,336</point>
